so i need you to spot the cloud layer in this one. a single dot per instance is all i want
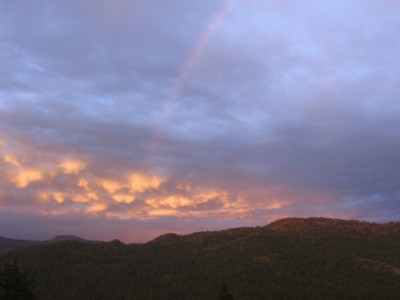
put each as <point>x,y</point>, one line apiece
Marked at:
<point>127,119</point>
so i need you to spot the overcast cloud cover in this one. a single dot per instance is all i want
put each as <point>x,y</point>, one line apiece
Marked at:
<point>128,119</point>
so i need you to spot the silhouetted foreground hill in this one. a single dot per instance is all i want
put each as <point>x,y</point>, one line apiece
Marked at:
<point>314,258</point>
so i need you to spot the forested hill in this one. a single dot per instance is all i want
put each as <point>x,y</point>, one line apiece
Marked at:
<point>314,258</point>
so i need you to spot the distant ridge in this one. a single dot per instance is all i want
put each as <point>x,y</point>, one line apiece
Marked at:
<point>8,244</point>
<point>63,238</point>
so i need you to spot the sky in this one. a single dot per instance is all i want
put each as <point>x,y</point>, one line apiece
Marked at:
<point>127,119</point>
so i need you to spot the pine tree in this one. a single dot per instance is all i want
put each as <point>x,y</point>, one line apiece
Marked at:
<point>15,285</point>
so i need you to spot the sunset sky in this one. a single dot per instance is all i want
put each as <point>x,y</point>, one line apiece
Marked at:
<point>131,118</point>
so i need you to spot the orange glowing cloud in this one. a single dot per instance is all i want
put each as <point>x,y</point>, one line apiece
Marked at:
<point>71,167</point>
<point>59,197</point>
<point>139,195</point>
<point>84,198</point>
<point>140,182</point>
<point>198,202</point>
<point>123,198</point>
<point>171,201</point>
<point>112,186</point>
<point>78,198</point>
<point>12,160</point>
<point>276,205</point>
<point>222,195</point>
<point>24,178</point>
<point>83,183</point>
<point>96,207</point>
<point>92,196</point>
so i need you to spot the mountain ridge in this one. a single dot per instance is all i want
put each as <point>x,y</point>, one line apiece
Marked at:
<point>295,258</point>
<point>290,224</point>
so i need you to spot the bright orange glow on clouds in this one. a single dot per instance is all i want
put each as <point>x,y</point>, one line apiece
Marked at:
<point>12,160</point>
<point>26,177</point>
<point>112,186</point>
<point>69,187</point>
<point>147,191</point>
<point>86,191</point>
<point>96,195</point>
<point>59,197</point>
<point>71,167</point>
<point>137,194</point>
<point>96,207</point>
<point>172,201</point>
<point>142,182</point>
<point>123,198</point>
<point>83,183</point>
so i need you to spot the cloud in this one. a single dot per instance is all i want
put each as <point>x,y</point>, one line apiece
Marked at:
<point>124,198</point>
<point>74,186</point>
<point>25,177</point>
<point>71,167</point>
<point>112,186</point>
<point>10,159</point>
<point>285,109</point>
<point>139,183</point>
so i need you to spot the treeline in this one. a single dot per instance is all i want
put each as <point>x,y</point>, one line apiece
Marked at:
<point>320,261</point>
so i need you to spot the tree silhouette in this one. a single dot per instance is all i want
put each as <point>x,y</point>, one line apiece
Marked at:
<point>224,294</point>
<point>14,284</point>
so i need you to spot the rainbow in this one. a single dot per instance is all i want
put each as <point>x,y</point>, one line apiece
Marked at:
<point>188,65</point>
<point>198,49</point>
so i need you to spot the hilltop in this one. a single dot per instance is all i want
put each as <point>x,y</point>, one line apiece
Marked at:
<point>294,258</point>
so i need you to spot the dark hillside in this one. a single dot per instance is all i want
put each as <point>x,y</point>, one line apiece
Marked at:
<point>313,258</point>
